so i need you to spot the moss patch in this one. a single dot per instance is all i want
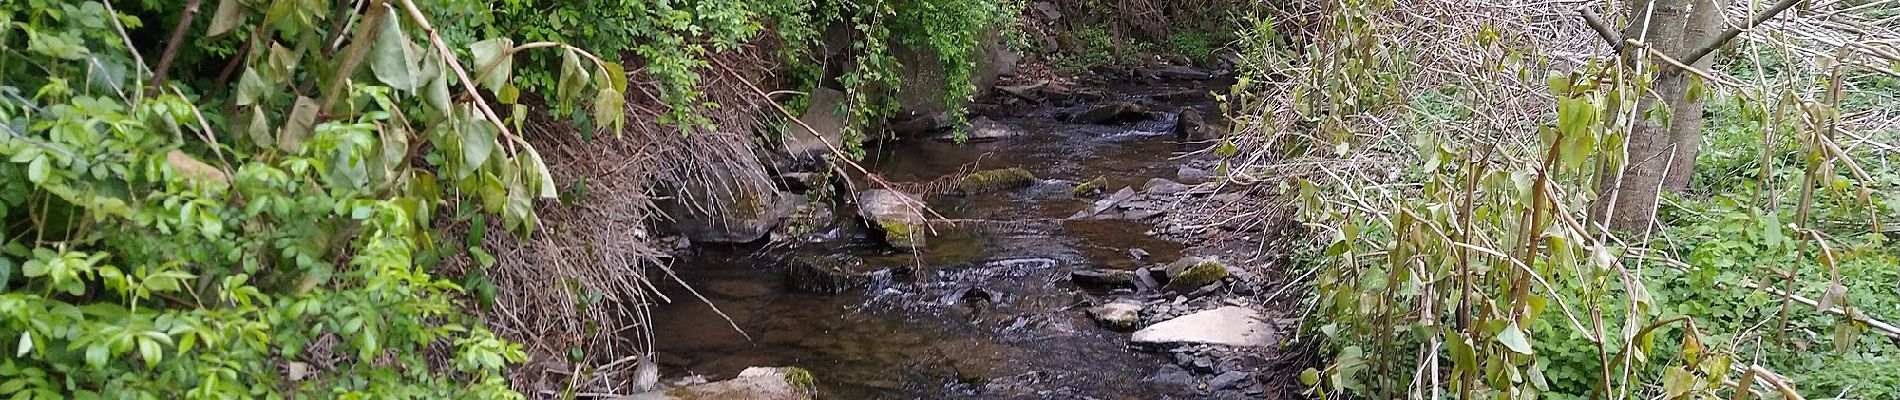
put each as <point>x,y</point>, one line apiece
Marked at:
<point>1192,273</point>
<point>901,234</point>
<point>995,179</point>
<point>1092,188</point>
<point>801,380</point>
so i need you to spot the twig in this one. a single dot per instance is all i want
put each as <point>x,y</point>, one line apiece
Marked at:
<point>171,47</point>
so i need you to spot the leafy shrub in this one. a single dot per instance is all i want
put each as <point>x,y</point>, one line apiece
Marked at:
<point>150,251</point>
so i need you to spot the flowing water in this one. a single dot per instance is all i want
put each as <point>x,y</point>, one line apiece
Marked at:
<point>985,310</point>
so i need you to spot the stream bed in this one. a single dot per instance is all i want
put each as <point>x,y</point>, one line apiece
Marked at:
<point>987,309</point>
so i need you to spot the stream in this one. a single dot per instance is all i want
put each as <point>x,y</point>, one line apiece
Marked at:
<point>987,309</point>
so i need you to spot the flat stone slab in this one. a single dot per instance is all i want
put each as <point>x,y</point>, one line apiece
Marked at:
<point>753,383</point>
<point>1227,326</point>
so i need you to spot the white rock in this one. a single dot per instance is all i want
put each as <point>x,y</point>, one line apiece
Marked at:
<point>1117,315</point>
<point>1229,326</point>
<point>753,383</point>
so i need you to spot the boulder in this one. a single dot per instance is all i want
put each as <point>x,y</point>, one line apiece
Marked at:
<point>807,217</point>
<point>1190,273</point>
<point>1163,187</point>
<point>821,274</point>
<point>995,179</point>
<point>727,212</point>
<point>920,124</point>
<point>788,383</point>
<point>899,216</point>
<point>1191,126</point>
<point>1048,10</point>
<point>1118,315</point>
<point>1026,92</point>
<point>1112,113</point>
<point>1228,380</point>
<point>924,80</point>
<point>1191,174</point>
<point>827,126</point>
<point>1226,326</point>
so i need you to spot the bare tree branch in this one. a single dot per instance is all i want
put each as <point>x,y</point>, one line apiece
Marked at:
<point>171,47</point>
<point>1730,34</point>
<point>1603,29</point>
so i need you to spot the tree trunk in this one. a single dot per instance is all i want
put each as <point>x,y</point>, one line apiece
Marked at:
<point>1661,151</point>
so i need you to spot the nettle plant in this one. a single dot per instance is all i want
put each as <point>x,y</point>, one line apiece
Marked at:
<point>275,248</point>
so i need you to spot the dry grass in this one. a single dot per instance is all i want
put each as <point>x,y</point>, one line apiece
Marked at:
<point>582,280</point>
<point>1435,43</point>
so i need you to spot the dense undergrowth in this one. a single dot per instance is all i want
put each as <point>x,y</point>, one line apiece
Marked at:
<point>1449,171</point>
<point>246,202</point>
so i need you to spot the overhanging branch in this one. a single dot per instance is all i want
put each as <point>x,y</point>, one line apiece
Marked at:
<point>1603,29</point>
<point>1730,34</point>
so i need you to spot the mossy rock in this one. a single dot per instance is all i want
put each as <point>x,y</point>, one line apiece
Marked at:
<point>1190,273</point>
<point>897,215</point>
<point>820,275</point>
<point>903,235</point>
<point>995,179</point>
<point>1092,188</point>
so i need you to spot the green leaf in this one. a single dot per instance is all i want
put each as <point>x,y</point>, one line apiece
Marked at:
<point>96,355</point>
<point>573,79</point>
<point>258,128</point>
<point>251,87</point>
<point>478,138</point>
<point>36,170</point>
<point>26,344</point>
<point>1512,337</point>
<point>494,62</point>
<point>1309,377</point>
<point>392,58</point>
<point>607,110</point>
<point>229,15</point>
<point>436,93</point>
<point>1677,381</point>
<point>616,76</point>
<point>150,351</point>
<point>301,121</point>
<point>538,170</point>
<point>482,258</point>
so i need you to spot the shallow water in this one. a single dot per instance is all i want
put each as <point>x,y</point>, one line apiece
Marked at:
<point>985,311</point>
